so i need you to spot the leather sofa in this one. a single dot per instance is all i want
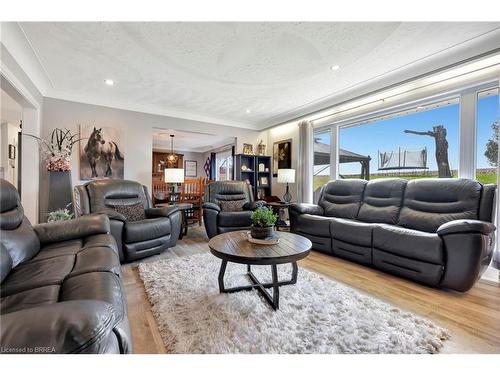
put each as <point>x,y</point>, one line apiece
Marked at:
<point>135,239</point>
<point>61,288</point>
<point>438,232</point>
<point>218,221</point>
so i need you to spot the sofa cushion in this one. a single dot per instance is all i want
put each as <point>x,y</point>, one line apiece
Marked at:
<point>234,219</point>
<point>429,203</point>
<point>101,286</point>
<point>382,201</point>
<point>144,230</point>
<point>352,231</point>
<point>5,262</point>
<point>36,274</point>
<point>314,224</point>
<point>408,243</point>
<point>342,198</point>
<point>29,298</point>
<point>96,259</point>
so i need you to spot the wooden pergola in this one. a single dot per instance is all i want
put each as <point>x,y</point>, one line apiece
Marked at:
<point>322,157</point>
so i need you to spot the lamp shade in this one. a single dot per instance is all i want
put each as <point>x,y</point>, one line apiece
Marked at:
<point>286,176</point>
<point>174,175</point>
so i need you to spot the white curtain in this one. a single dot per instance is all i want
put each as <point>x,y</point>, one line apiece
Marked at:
<point>305,162</point>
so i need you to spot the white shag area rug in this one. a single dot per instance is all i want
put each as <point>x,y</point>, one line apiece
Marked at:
<point>316,315</point>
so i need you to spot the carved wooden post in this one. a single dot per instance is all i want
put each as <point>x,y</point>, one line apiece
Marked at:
<point>439,135</point>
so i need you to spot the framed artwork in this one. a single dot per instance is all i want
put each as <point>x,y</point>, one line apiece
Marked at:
<point>12,152</point>
<point>282,155</point>
<point>190,167</point>
<point>247,149</point>
<point>101,153</point>
<point>264,181</point>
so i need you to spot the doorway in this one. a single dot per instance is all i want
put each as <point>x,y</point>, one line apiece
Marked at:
<point>11,116</point>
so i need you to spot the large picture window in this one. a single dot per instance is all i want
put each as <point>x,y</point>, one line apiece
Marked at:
<point>418,143</point>
<point>487,136</point>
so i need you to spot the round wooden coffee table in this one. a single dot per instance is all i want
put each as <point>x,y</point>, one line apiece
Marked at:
<point>234,247</point>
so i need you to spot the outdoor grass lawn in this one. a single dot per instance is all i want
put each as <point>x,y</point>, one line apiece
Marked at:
<point>484,176</point>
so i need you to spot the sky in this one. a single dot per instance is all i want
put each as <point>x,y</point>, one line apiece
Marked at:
<point>388,135</point>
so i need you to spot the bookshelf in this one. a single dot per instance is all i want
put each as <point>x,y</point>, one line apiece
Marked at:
<point>257,170</point>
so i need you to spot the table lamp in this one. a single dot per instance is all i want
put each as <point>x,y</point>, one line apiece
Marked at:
<point>286,176</point>
<point>174,176</point>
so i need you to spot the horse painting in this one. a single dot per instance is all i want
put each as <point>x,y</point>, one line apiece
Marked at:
<point>98,150</point>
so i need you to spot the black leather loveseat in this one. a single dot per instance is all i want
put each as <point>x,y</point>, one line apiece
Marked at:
<point>156,232</point>
<point>61,288</point>
<point>434,231</point>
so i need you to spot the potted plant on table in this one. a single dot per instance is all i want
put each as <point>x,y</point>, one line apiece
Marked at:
<point>263,220</point>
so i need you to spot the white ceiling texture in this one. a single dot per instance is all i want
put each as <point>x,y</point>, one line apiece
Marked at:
<point>188,141</point>
<point>251,75</point>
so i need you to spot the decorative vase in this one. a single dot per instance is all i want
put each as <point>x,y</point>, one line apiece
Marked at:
<point>60,195</point>
<point>261,232</point>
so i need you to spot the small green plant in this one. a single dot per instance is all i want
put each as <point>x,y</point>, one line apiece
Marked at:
<point>264,217</point>
<point>59,215</point>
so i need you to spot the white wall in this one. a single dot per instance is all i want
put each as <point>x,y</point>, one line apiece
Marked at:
<point>282,133</point>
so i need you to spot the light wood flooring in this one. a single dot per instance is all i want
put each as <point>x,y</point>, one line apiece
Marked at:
<point>472,318</point>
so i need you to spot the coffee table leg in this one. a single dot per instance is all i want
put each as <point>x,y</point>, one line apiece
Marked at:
<point>221,276</point>
<point>295,271</point>
<point>276,289</point>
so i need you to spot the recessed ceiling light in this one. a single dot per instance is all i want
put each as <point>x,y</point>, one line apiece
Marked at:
<point>335,67</point>
<point>248,111</point>
<point>420,107</point>
<point>109,82</point>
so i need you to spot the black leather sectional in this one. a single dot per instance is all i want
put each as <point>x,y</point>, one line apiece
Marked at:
<point>61,288</point>
<point>437,232</point>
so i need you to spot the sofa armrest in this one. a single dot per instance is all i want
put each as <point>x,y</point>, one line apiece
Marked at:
<point>152,213</point>
<point>81,227</point>
<point>66,327</point>
<point>112,214</point>
<point>466,226</point>
<point>211,206</point>
<point>251,206</point>
<point>305,208</point>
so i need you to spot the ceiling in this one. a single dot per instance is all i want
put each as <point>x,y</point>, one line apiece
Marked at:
<point>188,141</point>
<point>250,75</point>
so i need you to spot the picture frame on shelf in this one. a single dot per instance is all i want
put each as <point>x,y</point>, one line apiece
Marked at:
<point>190,168</point>
<point>264,182</point>
<point>247,149</point>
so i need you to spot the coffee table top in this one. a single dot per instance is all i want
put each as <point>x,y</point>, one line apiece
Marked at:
<point>234,247</point>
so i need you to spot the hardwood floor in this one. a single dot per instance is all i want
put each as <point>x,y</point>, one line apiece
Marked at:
<point>473,318</point>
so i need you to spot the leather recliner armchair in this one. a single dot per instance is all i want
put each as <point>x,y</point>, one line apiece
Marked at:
<point>436,231</point>
<point>136,239</point>
<point>61,288</point>
<point>218,221</point>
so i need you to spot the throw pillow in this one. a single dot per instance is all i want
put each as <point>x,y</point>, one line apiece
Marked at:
<point>232,206</point>
<point>132,212</point>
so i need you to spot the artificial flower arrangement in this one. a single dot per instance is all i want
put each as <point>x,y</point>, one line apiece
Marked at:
<point>57,151</point>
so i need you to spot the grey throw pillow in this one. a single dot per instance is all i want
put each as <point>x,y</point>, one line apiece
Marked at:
<point>132,212</point>
<point>232,206</point>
